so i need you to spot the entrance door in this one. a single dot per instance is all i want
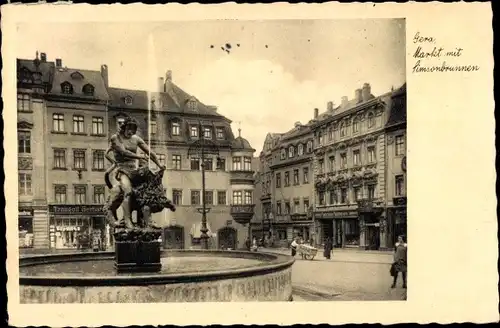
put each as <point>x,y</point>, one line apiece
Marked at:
<point>173,237</point>
<point>227,238</point>
<point>372,238</point>
<point>339,232</point>
<point>327,228</point>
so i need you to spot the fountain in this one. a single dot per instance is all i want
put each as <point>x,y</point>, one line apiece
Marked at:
<point>139,271</point>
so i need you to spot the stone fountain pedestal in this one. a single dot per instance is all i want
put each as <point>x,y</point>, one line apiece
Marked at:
<point>137,251</point>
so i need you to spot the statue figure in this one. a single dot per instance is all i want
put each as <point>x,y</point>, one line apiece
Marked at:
<point>134,188</point>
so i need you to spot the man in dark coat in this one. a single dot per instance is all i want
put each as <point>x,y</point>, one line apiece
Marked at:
<point>328,248</point>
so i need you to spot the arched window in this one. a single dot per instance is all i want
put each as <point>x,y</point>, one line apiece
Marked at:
<point>67,88</point>
<point>343,129</point>
<point>88,89</point>
<point>309,146</point>
<point>371,120</point>
<point>300,149</point>
<point>291,151</point>
<point>355,125</point>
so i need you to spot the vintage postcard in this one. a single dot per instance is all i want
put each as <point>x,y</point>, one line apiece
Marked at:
<point>245,164</point>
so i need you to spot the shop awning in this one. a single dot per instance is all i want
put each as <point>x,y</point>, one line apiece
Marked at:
<point>195,231</point>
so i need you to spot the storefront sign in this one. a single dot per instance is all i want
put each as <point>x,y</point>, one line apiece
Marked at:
<point>25,212</point>
<point>337,215</point>
<point>68,228</point>
<point>76,209</point>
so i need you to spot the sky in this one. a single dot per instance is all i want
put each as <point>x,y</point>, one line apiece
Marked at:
<point>274,73</point>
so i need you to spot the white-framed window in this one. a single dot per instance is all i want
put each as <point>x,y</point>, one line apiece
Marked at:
<point>247,163</point>
<point>58,122</point>
<point>306,175</point>
<point>209,197</point>
<point>60,194</point>
<point>24,142</point>
<point>207,133</point>
<point>343,129</point>
<point>99,195</point>
<point>220,133</point>
<point>356,157</point>
<point>291,151</point>
<point>296,177</point>
<point>306,205</point>
<point>195,197</point>
<point>176,162</point>
<point>287,179</point>
<point>79,159</point>
<point>237,197</point>
<point>330,134</point>
<point>371,154</point>
<point>300,149</point>
<point>371,120</point>
<point>177,196</point>
<point>80,194</point>
<point>176,128</point>
<point>193,131</point>
<point>59,158</point>
<point>78,124</point>
<point>355,125</point>
<point>25,187</point>
<point>309,147</point>
<point>400,145</point>
<point>97,125</point>
<point>399,186</point>
<point>23,103</point>
<point>248,197</point>
<point>237,164</point>
<point>98,160</point>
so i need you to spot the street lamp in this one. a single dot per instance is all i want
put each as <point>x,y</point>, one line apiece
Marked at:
<point>202,148</point>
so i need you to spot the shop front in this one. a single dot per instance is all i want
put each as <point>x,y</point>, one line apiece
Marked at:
<point>397,219</point>
<point>340,226</point>
<point>25,224</point>
<point>302,227</point>
<point>78,227</point>
<point>370,222</point>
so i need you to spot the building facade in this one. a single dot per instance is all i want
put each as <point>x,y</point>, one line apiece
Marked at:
<point>350,171</point>
<point>65,119</point>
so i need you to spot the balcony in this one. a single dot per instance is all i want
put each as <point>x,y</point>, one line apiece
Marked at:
<point>242,177</point>
<point>242,213</point>
<point>369,205</point>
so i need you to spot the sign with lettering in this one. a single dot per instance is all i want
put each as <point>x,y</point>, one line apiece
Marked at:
<point>76,209</point>
<point>344,214</point>
<point>25,211</point>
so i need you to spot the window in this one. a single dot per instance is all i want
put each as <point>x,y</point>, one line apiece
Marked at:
<point>24,184</point>
<point>296,206</point>
<point>192,104</point>
<point>99,195</point>
<point>309,146</point>
<point>371,120</point>
<point>176,129</point>
<point>321,166</point>
<point>162,159</point>
<point>320,138</point>
<point>67,88</point>
<point>278,208</point>
<point>24,142</point>
<point>371,154</point>
<point>247,163</point>
<point>331,165</point>
<point>300,150</point>
<point>287,179</point>
<point>177,196</point>
<point>209,197</point>
<point>176,162</point>
<point>80,194</point>
<point>400,180</point>
<point>23,103</point>
<point>98,160</point>
<point>306,205</point>
<point>330,134</point>
<point>282,235</point>
<point>220,133</point>
<point>78,124</point>
<point>306,175</point>
<point>60,194</point>
<point>97,125</point>
<point>278,180</point>
<point>195,197</point>
<point>343,130</point>
<point>291,151</point>
<point>221,164</point>
<point>357,193</point>
<point>153,127</point>
<point>59,158</point>
<point>400,145</point>
<point>248,197</point>
<point>371,191</point>
<point>296,177</point>
<point>194,131</point>
<point>356,156</point>
<point>287,208</point>
<point>321,197</point>
<point>237,197</point>
<point>343,160</point>
<point>207,133</point>
<point>209,164</point>
<point>236,163</point>
<point>283,154</point>
<point>221,197</point>
<point>355,125</point>
<point>333,197</point>
<point>79,159</point>
<point>58,122</point>
<point>195,163</point>
<point>88,90</point>
<point>128,100</point>
<point>343,195</point>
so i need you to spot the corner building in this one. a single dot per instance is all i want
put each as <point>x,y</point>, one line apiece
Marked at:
<point>350,170</point>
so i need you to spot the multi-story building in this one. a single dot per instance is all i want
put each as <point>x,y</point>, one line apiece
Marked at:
<point>350,171</point>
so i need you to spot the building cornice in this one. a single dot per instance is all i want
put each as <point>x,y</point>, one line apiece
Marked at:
<point>291,162</point>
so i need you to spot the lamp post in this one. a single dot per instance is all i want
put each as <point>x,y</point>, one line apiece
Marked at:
<point>203,147</point>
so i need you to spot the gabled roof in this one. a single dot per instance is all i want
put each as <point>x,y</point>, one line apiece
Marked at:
<point>94,78</point>
<point>118,96</point>
<point>46,68</point>
<point>297,131</point>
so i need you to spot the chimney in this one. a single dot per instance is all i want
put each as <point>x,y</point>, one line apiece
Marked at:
<point>329,106</point>
<point>358,96</point>
<point>169,76</point>
<point>161,85</point>
<point>367,91</point>
<point>58,62</point>
<point>344,101</point>
<point>316,113</point>
<point>104,74</point>
<point>43,57</point>
<point>297,124</point>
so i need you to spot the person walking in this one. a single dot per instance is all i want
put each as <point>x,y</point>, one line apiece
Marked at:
<point>293,246</point>
<point>400,261</point>
<point>328,248</point>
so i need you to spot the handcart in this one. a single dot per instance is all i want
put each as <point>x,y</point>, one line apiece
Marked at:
<point>307,252</point>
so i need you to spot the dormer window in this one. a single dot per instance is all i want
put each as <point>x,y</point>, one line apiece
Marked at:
<point>67,88</point>
<point>300,149</point>
<point>309,146</point>
<point>192,104</point>
<point>291,151</point>
<point>128,100</point>
<point>371,120</point>
<point>193,131</point>
<point>283,153</point>
<point>76,76</point>
<point>207,133</point>
<point>25,76</point>
<point>37,78</point>
<point>88,89</point>
<point>220,133</point>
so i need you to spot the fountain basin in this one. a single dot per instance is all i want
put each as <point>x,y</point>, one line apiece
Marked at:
<point>186,276</point>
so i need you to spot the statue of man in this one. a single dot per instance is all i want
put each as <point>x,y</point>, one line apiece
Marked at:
<point>124,146</point>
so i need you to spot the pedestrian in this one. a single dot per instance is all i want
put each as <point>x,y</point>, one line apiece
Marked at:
<point>254,244</point>
<point>328,248</point>
<point>247,243</point>
<point>400,262</point>
<point>294,246</point>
